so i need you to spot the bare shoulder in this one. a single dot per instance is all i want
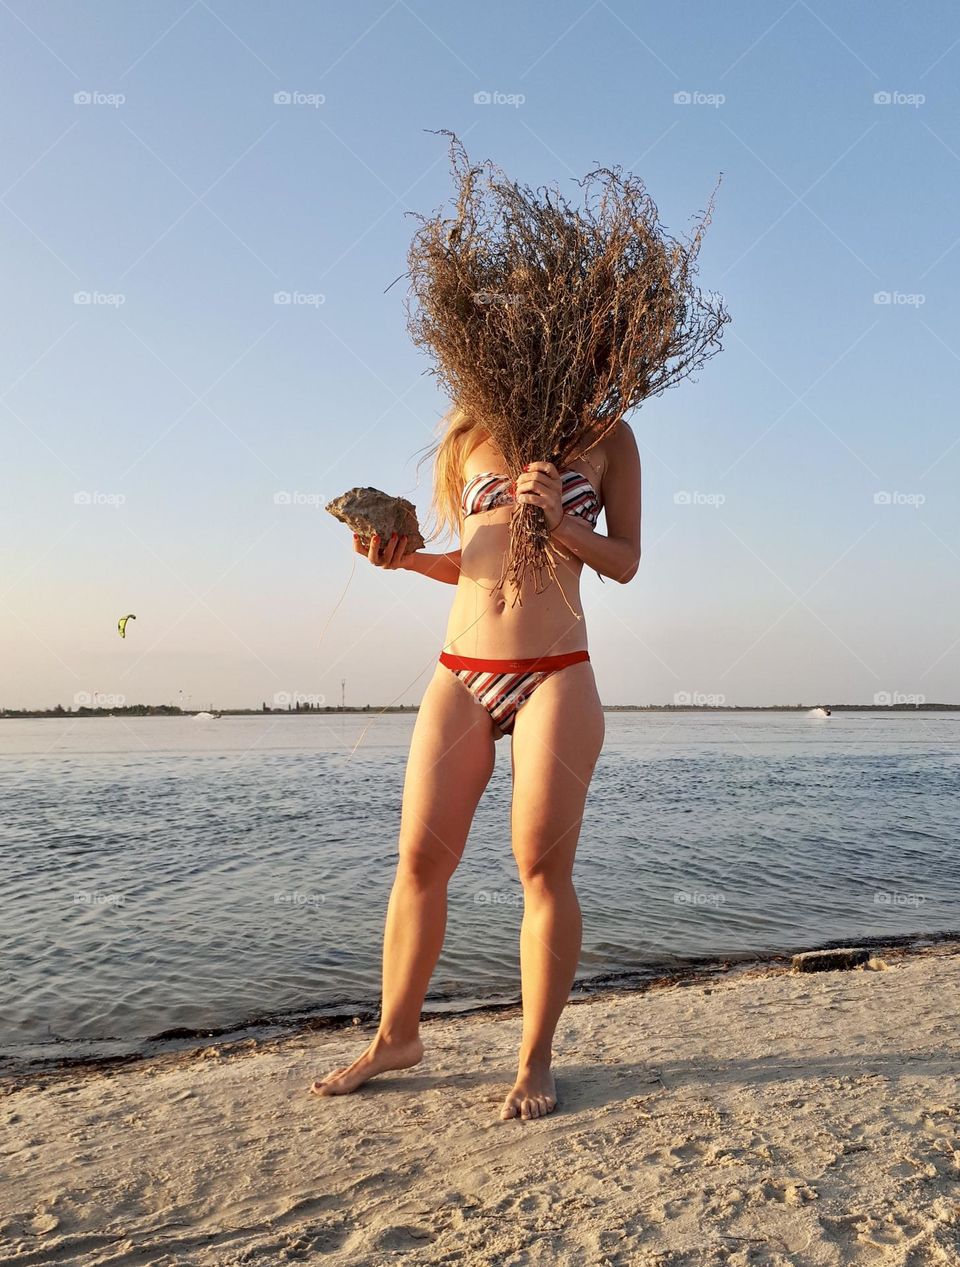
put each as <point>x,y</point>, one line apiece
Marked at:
<point>618,446</point>
<point>621,438</point>
<point>481,453</point>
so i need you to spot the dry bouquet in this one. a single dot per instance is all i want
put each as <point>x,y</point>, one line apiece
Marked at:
<point>548,323</point>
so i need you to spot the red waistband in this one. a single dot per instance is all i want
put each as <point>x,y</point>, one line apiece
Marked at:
<point>545,663</point>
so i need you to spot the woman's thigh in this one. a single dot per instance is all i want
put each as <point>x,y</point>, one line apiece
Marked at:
<point>557,737</point>
<point>450,763</point>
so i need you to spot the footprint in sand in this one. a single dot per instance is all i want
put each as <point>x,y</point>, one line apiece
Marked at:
<point>892,1229</point>
<point>323,1240</point>
<point>44,1223</point>
<point>787,1191</point>
<point>531,1203</point>
<point>726,1204</point>
<point>912,1168</point>
<point>693,1151</point>
<point>402,1237</point>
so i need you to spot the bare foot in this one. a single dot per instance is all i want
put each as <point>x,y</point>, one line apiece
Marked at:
<point>534,1094</point>
<point>379,1057</point>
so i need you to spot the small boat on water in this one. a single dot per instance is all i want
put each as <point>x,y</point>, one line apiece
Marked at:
<point>207,716</point>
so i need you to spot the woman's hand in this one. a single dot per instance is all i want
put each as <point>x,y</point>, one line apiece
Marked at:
<point>391,553</point>
<point>540,485</point>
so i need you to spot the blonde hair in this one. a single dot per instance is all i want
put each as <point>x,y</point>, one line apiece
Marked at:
<point>460,436</point>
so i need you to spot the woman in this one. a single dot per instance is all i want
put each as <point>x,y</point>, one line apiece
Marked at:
<point>518,669</point>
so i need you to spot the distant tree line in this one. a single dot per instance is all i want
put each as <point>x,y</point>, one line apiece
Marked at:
<point>171,710</point>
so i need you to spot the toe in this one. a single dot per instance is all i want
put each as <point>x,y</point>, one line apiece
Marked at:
<point>322,1085</point>
<point>509,1110</point>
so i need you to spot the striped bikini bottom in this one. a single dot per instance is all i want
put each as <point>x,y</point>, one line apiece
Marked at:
<point>502,686</point>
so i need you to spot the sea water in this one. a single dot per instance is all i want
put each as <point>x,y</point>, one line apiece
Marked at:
<point>166,876</point>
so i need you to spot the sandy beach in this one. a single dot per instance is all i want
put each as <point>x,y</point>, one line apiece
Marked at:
<point>760,1117</point>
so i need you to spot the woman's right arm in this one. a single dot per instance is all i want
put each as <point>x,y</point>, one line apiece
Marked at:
<point>440,567</point>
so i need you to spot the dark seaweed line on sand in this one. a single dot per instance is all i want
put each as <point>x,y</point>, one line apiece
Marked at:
<point>272,1028</point>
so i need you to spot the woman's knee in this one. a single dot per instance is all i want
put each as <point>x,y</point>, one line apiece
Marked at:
<point>544,874</point>
<point>425,867</point>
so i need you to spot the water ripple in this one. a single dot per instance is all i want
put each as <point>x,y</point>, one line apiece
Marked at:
<point>156,878</point>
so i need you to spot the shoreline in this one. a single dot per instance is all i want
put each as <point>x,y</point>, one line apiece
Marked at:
<point>164,710</point>
<point>766,1117</point>
<point>267,1032</point>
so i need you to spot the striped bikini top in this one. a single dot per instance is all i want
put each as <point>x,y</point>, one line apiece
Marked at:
<point>489,489</point>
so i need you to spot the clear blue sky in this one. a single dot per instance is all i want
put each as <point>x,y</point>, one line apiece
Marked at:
<point>197,399</point>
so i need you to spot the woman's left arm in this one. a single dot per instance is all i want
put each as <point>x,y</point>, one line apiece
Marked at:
<point>617,554</point>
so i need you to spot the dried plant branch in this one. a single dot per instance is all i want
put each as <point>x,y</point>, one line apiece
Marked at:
<point>548,323</point>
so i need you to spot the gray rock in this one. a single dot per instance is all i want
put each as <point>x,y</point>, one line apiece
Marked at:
<point>823,960</point>
<point>368,510</point>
